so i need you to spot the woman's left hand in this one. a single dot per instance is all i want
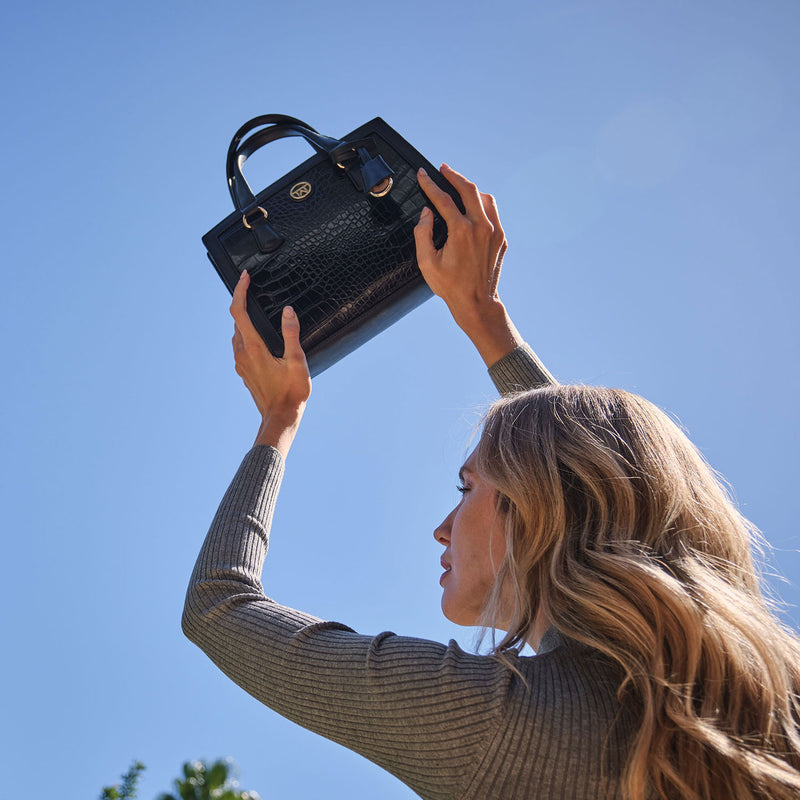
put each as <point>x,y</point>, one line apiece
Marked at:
<point>466,271</point>
<point>280,387</point>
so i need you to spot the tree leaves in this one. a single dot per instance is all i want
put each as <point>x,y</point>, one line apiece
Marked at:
<point>200,781</point>
<point>127,789</point>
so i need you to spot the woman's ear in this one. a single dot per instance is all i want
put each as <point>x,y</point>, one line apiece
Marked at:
<point>503,503</point>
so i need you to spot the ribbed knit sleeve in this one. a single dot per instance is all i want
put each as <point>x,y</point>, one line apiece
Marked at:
<point>520,370</point>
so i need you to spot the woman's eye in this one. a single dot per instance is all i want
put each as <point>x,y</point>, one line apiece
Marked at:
<point>461,489</point>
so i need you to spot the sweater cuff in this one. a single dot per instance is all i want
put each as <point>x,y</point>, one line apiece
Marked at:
<point>519,371</point>
<point>256,483</point>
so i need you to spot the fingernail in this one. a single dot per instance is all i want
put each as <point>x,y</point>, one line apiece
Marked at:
<point>288,311</point>
<point>422,171</point>
<point>445,166</point>
<point>426,212</point>
<point>243,275</point>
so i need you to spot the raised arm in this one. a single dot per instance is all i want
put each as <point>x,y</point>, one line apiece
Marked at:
<point>465,273</point>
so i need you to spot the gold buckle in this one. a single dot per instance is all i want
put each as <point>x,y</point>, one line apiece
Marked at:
<point>382,192</point>
<point>244,217</point>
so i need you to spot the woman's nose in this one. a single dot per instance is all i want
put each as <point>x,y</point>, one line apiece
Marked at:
<point>442,533</point>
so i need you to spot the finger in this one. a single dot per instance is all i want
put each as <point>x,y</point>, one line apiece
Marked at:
<point>442,201</point>
<point>492,214</point>
<point>423,236</point>
<point>498,235</point>
<point>240,290</point>
<point>290,328</point>
<point>468,191</point>
<point>239,307</point>
<point>498,266</point>
<point>501,255</point>
<point>237,340</point>
<point>239,301</point>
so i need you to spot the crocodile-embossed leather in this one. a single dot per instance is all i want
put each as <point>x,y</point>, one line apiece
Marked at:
<point>347,263</point>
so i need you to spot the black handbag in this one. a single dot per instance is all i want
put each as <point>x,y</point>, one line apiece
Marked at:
<point>333,238</point>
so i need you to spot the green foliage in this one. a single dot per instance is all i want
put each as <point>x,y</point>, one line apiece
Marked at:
<point>202,781</point>
<point>127,789</point>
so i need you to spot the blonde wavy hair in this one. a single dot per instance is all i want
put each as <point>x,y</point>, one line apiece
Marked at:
<point>615,522</point>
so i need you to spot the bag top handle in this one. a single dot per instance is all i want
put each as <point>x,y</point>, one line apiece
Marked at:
<point>239,151</point>
<point>282,126</point>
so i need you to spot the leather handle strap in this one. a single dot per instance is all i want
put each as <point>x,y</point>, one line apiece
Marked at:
<point>239,151</point>
<point>362,154</point>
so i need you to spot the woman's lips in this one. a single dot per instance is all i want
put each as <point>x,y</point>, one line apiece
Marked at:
<point>446,572</point>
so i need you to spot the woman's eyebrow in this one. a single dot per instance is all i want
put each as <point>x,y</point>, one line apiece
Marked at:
<point>464,471</point>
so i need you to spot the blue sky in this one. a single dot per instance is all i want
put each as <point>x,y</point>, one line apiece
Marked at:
<point>645,161</point>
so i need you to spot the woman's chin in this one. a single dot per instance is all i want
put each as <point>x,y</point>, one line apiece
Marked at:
<point>458,616</point>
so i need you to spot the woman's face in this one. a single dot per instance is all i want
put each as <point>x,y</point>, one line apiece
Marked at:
<point>474,541</point>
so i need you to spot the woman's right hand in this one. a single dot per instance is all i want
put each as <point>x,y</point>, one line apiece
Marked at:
<point>466,271</point>
<point>280,387</point>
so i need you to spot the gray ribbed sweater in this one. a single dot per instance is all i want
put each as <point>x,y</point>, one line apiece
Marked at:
<point>447,723</point>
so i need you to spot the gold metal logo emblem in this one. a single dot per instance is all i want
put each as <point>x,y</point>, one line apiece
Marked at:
<point>300,191</point>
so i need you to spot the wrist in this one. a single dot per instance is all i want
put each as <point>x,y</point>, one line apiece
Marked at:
<point>480,315</point>
<point>279,427</point>
<point>490,329</point>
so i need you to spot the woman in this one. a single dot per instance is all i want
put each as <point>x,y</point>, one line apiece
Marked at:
<point>589,528</point>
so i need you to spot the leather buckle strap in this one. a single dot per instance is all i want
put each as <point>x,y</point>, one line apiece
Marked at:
<point>255,219</point>
<point>365,167</point>
<point>246,222</point>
